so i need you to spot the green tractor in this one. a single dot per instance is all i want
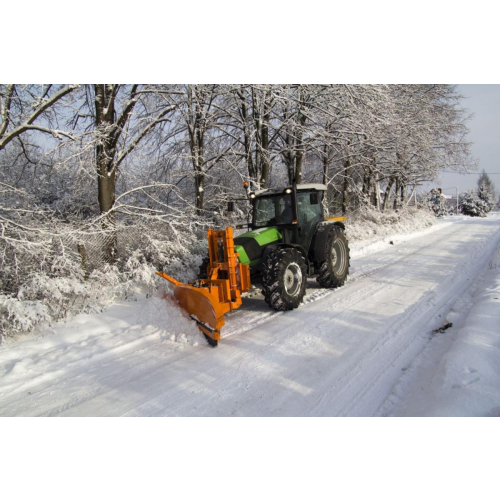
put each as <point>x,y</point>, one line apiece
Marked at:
<point>289,240</point>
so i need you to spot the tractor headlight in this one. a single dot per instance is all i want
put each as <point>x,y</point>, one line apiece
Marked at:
<point>251,196</point>
<point>288,191</point>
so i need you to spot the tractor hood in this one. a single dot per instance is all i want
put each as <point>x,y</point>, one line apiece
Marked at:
<point>251,245</point>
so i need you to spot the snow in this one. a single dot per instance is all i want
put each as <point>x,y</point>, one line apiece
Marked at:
<point>465,379</point>
<point>317,187</point>
<point>369,348</point>
<point>370,226</point>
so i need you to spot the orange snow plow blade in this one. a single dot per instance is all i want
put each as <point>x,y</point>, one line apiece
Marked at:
<point>206,301</point>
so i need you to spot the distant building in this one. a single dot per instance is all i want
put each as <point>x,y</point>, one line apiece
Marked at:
<point>451,202</point>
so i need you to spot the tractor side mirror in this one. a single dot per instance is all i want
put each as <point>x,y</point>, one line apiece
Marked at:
<point>230,206</point>
<point>313,199</point>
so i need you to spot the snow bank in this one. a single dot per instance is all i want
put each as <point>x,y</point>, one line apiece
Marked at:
<point>164,314</point>
<point>125,329</point>
<point>60,288</point>
<point>467,382</point>
<point>466,379</point>
<point>368,225</point>
<point>369,231</point>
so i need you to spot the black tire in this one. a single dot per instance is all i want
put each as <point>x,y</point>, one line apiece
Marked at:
<point>334,270</point>
<point>202,272</point>
<point>284,278</point>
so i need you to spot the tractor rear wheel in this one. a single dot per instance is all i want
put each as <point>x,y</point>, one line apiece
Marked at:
<point>284,278</point>
<point>334,269</point>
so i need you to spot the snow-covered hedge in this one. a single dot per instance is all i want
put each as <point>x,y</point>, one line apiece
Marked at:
<point>367,223</point>
<point>48,278</point>
<point>473,205</point>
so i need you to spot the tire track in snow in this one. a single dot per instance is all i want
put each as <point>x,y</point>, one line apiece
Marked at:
<point>92,367</point>
<point>367,389</point>
<point>214,402</point>
<point>264,314</point>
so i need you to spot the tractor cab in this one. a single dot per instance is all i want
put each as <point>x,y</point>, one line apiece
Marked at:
<point>291,239</point>
<point>295,221</point>
<point>286,216</point>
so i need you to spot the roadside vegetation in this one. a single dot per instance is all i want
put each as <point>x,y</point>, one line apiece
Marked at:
<point>478,202</point>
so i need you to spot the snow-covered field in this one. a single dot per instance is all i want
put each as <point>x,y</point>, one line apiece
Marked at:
<point>372,347</point>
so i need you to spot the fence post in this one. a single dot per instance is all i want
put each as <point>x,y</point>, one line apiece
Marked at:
<point>81,251</point>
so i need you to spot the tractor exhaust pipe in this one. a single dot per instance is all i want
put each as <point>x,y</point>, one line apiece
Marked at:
<point>295,212</point>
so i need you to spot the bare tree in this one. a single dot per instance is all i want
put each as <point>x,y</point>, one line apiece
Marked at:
<point>250,109</point>
<point>25,108</point>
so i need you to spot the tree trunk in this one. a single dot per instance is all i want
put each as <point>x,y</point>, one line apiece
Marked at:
<point>106,182</point>
<point>246,138</point>
<point>403,194</point>
<point>396,194</point>
<point>299,156</point>
<point>387,193</point>
<point>266,162</point>
<point>105,162</point>
<point>199,176</point>
<point>289,159</point>
<point>298,166</point>
<point>367,184</point>
<point>106,178</point>
<point>326,164</point>
<point>345,190</point>
<point>199,182</point>
<point>377,192</point>
<point>197,128</point>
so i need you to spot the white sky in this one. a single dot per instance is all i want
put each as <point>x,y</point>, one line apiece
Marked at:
<point>484,102</point>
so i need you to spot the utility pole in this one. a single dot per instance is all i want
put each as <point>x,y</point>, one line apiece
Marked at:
<point>457,199</point>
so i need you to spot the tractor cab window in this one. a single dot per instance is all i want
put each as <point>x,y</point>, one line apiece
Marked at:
<point>272,210</point>
<point>308,212</point>
<point>264,211</point>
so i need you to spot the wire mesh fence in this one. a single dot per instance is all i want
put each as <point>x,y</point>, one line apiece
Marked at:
<point>88,247</point>
<point>47,272</point>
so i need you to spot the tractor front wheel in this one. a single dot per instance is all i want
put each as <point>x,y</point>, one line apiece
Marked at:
<point>284,278</point>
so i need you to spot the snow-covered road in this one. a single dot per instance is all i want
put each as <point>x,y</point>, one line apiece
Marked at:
<point>342,353</point>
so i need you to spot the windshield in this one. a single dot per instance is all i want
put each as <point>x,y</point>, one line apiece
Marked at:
<point>275,210</point>
<point>271,210</point>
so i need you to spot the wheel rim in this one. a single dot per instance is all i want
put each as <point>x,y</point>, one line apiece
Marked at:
<point>293,279</point>
<point>339,257</point>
